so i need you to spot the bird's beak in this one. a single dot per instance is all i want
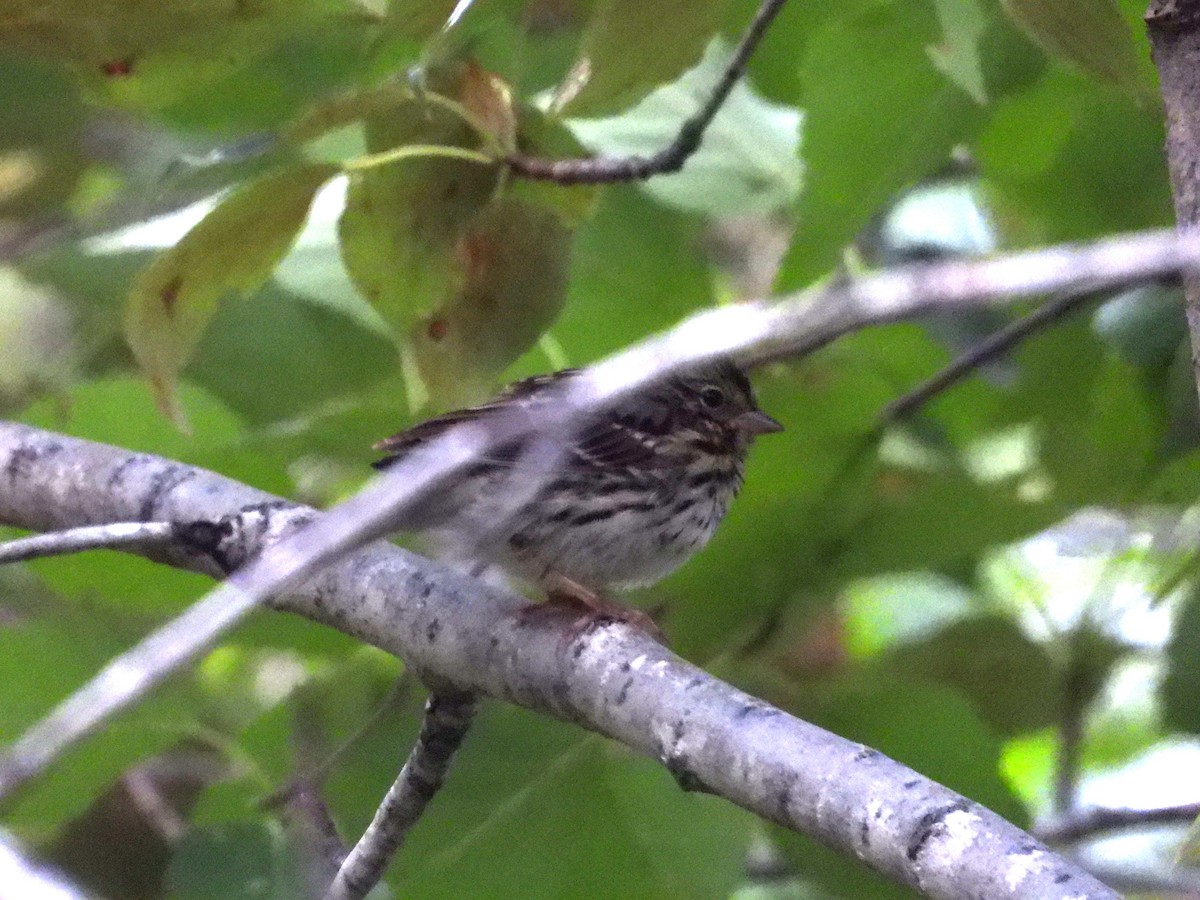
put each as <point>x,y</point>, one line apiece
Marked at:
<point>755,421</point>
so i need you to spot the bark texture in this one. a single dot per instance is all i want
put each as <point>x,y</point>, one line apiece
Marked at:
<point>462,637</point>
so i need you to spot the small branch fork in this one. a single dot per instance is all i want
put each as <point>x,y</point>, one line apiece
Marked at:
<point>611,169</point>
<point>448,716</point>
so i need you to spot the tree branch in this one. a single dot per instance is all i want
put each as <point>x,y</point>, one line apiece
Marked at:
<point>314,832</point>
<point>609,169</point>
<point>447,719</point>
<point>118,535</point>
<point>1173,27</point>
<point>981,354</point>
<point>459,635</point>
<point>754,331</point>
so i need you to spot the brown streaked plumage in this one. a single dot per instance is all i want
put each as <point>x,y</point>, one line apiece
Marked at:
<point>642,487</point>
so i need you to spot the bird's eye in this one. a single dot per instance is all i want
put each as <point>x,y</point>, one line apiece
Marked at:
<point>712,397</point>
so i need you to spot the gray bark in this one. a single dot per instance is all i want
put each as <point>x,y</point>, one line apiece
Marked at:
<point>463,637</point>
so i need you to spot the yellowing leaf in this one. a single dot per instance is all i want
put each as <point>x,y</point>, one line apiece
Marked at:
<point>233,249</point>
<point>402,220</point>
<point>150,53</point>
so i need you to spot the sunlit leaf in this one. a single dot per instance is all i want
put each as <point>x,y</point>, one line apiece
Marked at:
<point>958,53</point>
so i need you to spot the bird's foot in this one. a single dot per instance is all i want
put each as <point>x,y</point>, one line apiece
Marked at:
<point>588,609</point>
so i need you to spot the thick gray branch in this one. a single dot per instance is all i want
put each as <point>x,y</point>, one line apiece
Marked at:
<point>461,636</point>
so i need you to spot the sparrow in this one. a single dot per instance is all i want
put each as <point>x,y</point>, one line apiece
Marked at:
<point>640,487</point>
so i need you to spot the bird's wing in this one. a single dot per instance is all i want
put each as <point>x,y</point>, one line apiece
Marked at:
<point>520,393</point>
<point>610,443</point>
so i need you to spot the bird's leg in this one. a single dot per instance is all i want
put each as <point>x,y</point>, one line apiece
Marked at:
<point>565,595</point>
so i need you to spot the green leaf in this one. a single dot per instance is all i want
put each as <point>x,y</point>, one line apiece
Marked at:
<point>1090,34</point>
<point>200,64</point>
<point>873,58</point>
<point>571,815</point>
<point>466,272</point>
<point>1099,431</point>
<point>233,250</point>
<point>1145,325</point>
<point>283,357</point>
<point>958,55</point>
<point>662,274</point>
<point>1048,150</point>
<point>515,281</point>
<point>41,120</point>
<point>632,46</point>
<point>922,521</point>
<point>1009,679</point>
<point>249,860</point>
<point>50,656</point>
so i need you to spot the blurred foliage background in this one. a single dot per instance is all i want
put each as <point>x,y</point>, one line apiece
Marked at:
<point>999,590</point>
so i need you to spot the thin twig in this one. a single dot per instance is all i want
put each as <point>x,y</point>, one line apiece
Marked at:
<point>117,535</point>
<point>1089,823</point>
<point>982,353</point>
<point>312,826</point>
<point>609,169</point>
<point>317,774</point>
<point>447,719</point>
<point>755,332</point>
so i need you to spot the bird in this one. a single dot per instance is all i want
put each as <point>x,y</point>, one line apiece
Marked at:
<point>639,487</point>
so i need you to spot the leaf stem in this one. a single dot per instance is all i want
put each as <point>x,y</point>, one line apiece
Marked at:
<point>416,151</point>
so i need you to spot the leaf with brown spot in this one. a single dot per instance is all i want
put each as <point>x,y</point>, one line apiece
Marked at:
<point>516,259</point>
<point>469,268</point>
<point>490,102</point>
<point>233,250</point>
